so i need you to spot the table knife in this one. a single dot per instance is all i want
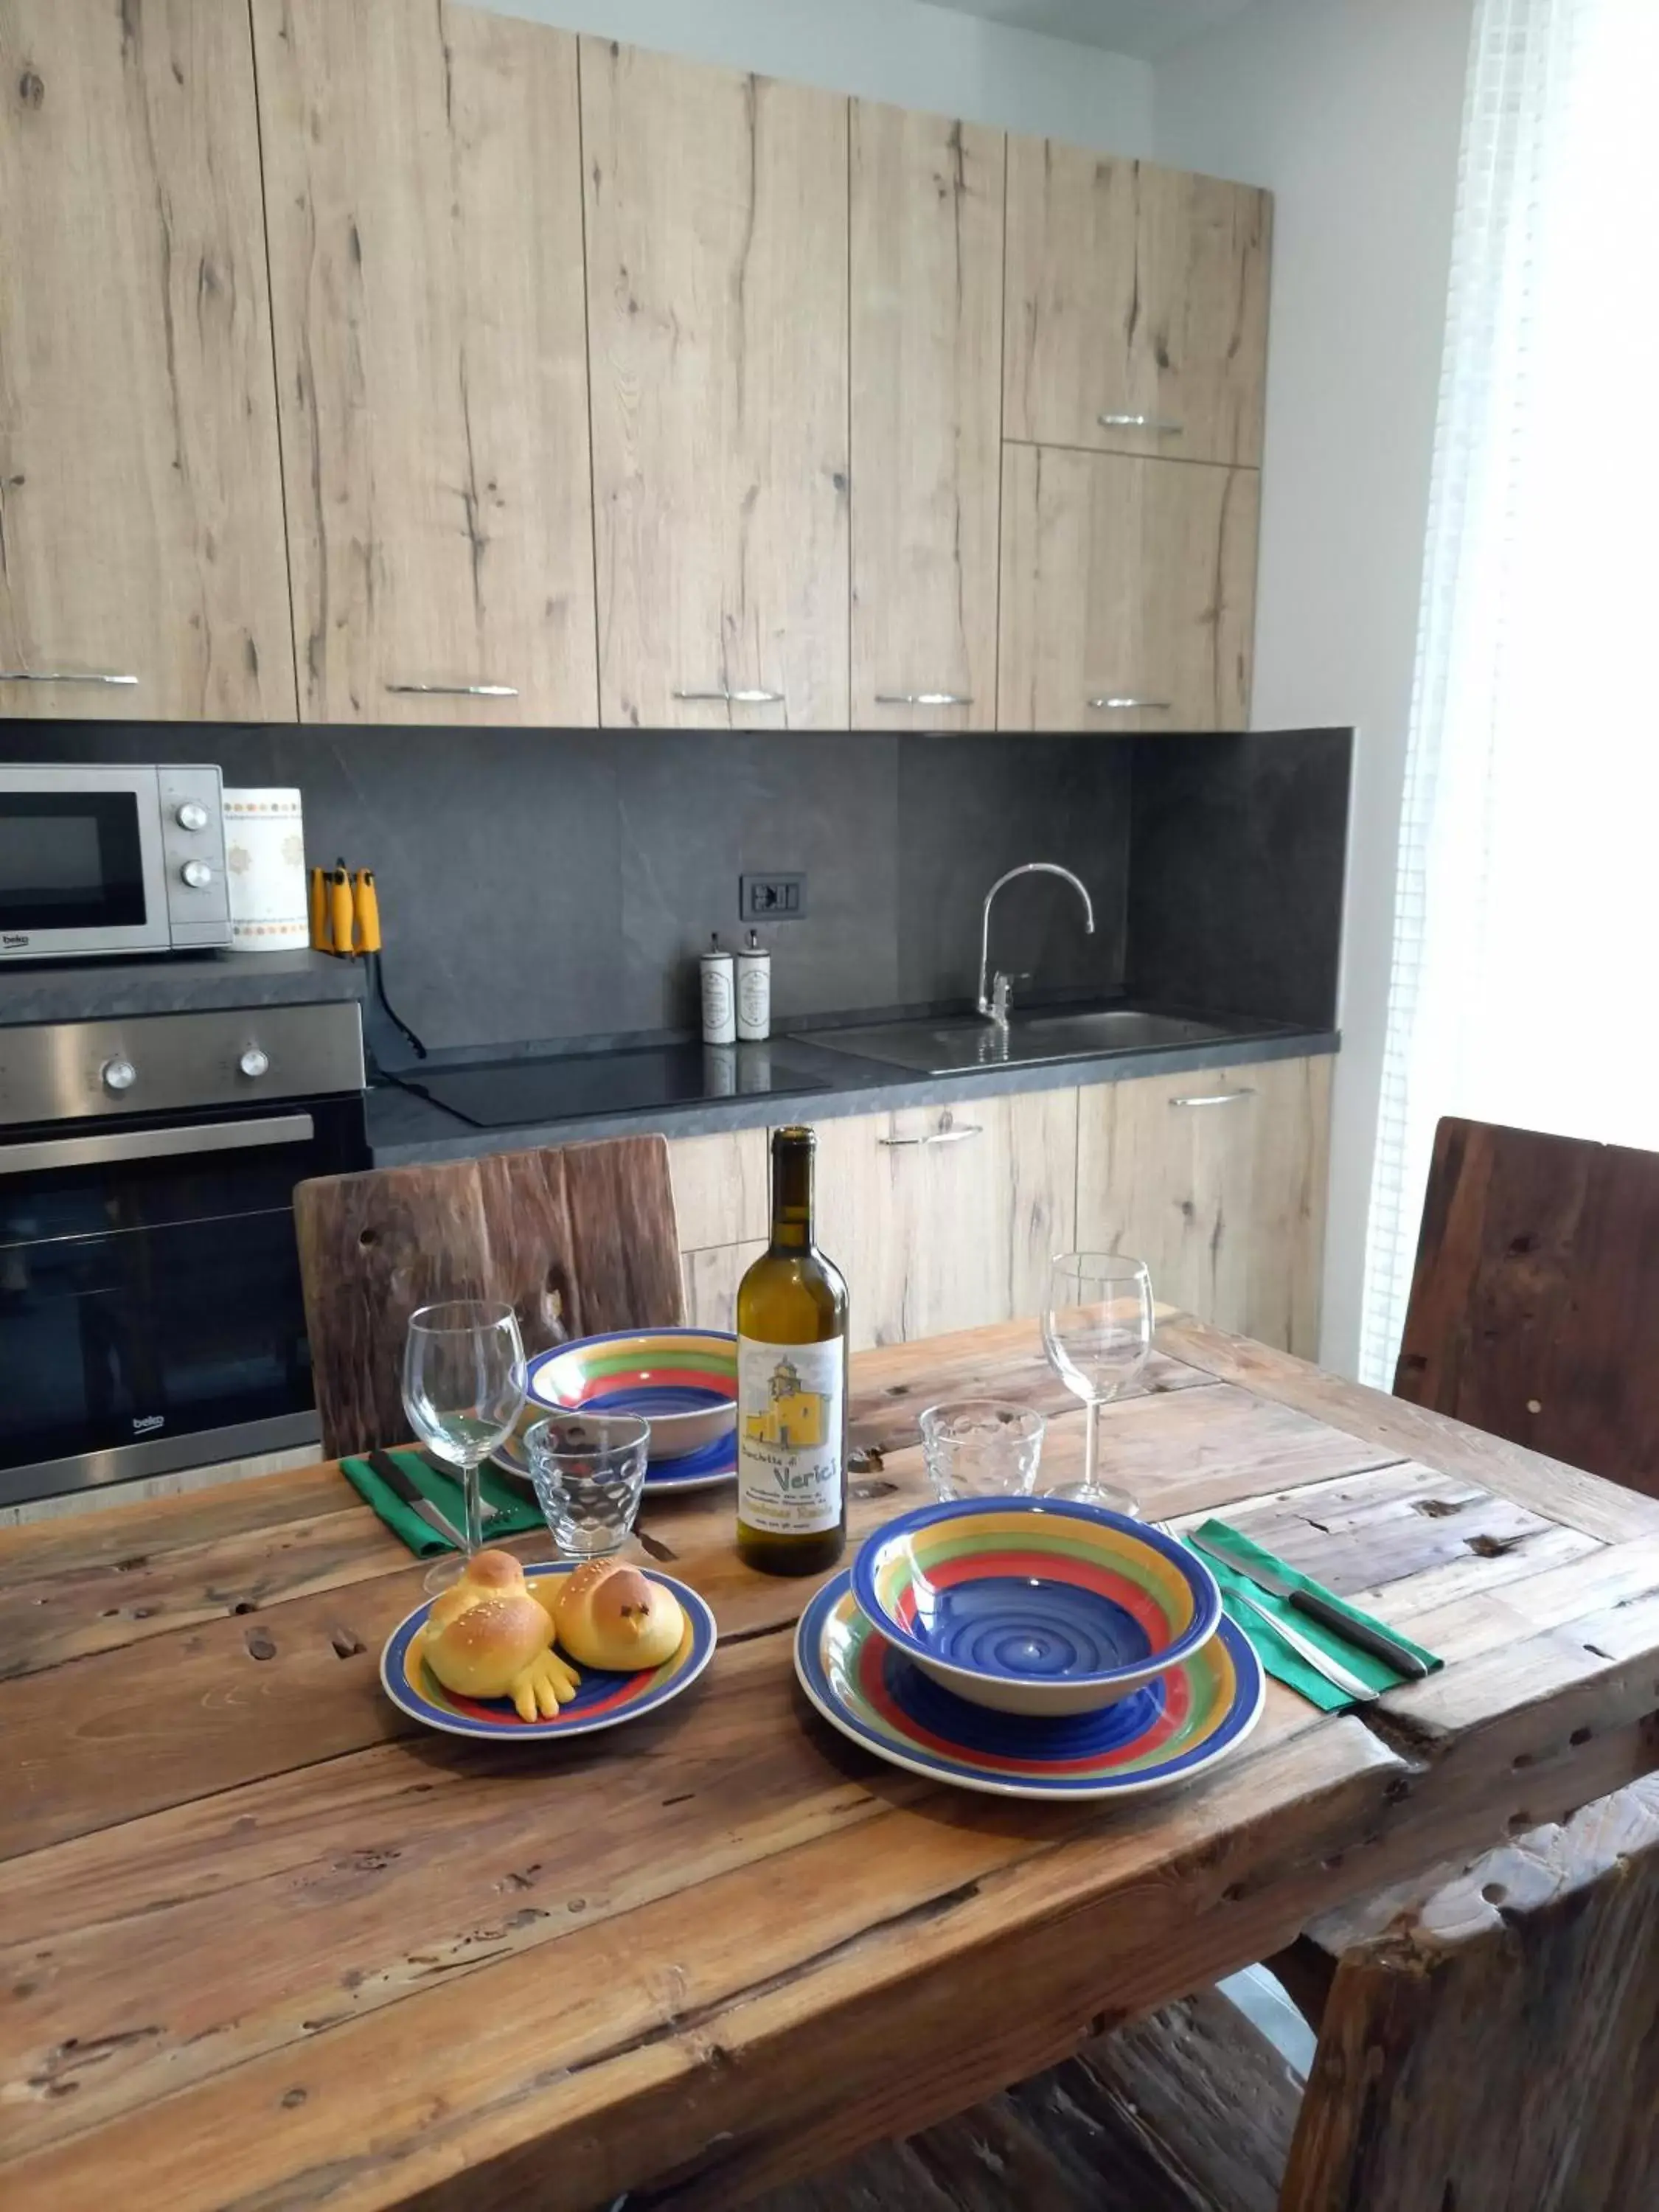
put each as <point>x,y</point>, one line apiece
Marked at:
<point>396,1481</point>
<point>1364,1636</point>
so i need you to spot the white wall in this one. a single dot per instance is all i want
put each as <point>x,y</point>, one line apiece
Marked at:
<point>902,51</point>
<point>1350,111</point>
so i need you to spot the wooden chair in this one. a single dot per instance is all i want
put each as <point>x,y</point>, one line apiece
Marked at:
<point>582,1236</point>
<point>1491,2043</point>
<point>1534,1304</point>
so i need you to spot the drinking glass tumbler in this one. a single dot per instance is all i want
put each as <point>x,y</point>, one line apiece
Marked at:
<point>588,1470</point>
<point>982,1447</point>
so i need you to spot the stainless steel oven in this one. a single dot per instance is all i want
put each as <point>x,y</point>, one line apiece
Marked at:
<point>111,859</point>
<point>151,1313</point>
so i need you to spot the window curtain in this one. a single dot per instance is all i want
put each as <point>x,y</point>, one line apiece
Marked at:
<point>1525,977</point>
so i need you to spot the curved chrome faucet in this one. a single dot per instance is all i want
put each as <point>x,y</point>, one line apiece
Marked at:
<point>994,1005</point>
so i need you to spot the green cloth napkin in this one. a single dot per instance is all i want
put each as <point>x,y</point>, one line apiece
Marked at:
<point>1276,1655</point>
<point>518,1513</point>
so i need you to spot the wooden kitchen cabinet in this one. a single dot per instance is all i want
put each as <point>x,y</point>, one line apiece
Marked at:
<point>141,530</point>
<point>940,1217</point>
<point>423,189</point>
<point>722,1186</point>
<point>1136,316</point>
<point>717,290</point>
<point>1216,1179</point>
<point>1129,593</point>
<point>927,411</point>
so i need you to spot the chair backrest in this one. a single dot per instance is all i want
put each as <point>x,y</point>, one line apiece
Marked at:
<point>581,1235</point>
<point>1534,1305</point>
<point>1494,2046</point>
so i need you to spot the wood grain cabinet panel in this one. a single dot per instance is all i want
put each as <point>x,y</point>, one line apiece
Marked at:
<point>423,173</point>
<point>722,1193</point>
<point>717,229</point>
<point>1129,593</point>
<point>711,1279</point>
<point>927,411</point>
<point>1136,315</point>
<point>1216,1178</point>
<point>141,509</point>
<point>941,1218</point>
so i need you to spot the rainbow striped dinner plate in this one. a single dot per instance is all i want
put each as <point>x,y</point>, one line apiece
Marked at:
<point>605,1700</point>
<point>1166,1732</point>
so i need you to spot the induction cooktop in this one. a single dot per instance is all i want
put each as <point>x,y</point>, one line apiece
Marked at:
<point>507,1093</point>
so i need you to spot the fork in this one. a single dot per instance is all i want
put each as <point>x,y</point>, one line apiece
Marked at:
<point>1321,1663</point>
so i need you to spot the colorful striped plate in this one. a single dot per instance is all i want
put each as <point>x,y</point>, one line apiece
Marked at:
<point>682,1380</point>
<point>604,1700</point>
<point>1167,1732</point>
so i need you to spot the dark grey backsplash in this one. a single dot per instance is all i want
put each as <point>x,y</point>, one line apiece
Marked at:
<point>544,884</point>
<point>1239,846</point>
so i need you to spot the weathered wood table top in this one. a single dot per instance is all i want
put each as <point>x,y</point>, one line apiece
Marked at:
<point>264,1946</point>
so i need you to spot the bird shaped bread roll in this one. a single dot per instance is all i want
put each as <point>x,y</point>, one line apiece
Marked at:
<point>613,1616</point>
<point>486,1636</point>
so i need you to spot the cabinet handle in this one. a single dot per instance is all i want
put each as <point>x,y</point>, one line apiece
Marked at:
<point>459,691</point>
<point>1216,1097</point>
<point>1159,429</point>
<point>61,676</point>
<point>957,1133</point>
<point>1146,706</point>
<point>727,698</point>
<point>924,698</point>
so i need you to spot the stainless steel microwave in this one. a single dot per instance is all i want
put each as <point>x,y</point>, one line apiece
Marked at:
<point>111,859</point>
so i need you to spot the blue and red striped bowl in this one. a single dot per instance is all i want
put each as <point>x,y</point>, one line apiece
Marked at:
<point>1038,1605</point>
<point>683,1382</point>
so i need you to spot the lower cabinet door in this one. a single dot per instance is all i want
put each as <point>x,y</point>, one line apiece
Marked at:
<point>1216,1178</point>
<point>945,1218</point>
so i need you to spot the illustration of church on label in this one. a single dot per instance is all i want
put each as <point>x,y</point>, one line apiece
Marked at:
<point>795,1418</point>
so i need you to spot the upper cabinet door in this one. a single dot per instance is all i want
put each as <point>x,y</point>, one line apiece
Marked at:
<point>422,171</point>
<point>141,509</point>
<point>1129,593</point>
<point>717,321</point>
<point>927,279</point>
<point>1136,315</point>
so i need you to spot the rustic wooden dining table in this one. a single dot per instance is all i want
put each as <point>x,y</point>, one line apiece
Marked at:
<point>266,1945</point>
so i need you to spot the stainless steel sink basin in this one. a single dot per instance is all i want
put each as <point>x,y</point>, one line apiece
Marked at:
<point>948,1048</point>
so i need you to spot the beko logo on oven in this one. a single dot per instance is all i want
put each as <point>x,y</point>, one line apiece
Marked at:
<point>14,939</point>
<point>143,1423</point>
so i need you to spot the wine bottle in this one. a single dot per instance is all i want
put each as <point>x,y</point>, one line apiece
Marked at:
<point>792,1385</point>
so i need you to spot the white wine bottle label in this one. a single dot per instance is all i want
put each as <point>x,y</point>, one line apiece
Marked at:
<point>790,1436</point>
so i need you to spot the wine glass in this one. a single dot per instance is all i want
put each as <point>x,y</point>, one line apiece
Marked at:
<point>1097,1332</point>
<point>463,1388</point>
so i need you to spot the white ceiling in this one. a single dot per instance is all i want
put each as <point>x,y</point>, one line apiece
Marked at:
<point>1149,29</point>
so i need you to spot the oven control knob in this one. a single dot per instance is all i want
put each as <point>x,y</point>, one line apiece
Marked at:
<point>255,1062</point>
<point>119,1075</point>
<point>192,816</point>
<point>197,874</point>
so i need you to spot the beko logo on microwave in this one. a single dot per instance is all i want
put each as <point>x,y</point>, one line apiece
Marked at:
<point>143,1423</point>
<point>12,940</point>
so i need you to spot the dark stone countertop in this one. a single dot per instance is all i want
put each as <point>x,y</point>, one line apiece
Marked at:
<point>405,1127</point>
<point>174,983</point>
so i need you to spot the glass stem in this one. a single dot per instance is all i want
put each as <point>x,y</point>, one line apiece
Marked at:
<point>1091,1445</point>
<point>474,1517</point>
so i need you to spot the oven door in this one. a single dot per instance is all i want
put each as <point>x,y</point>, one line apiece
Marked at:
<point>81,866</point>
<point>151,1313</point>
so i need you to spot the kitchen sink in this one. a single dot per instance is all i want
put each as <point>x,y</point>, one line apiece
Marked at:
<point>950,1048</point>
